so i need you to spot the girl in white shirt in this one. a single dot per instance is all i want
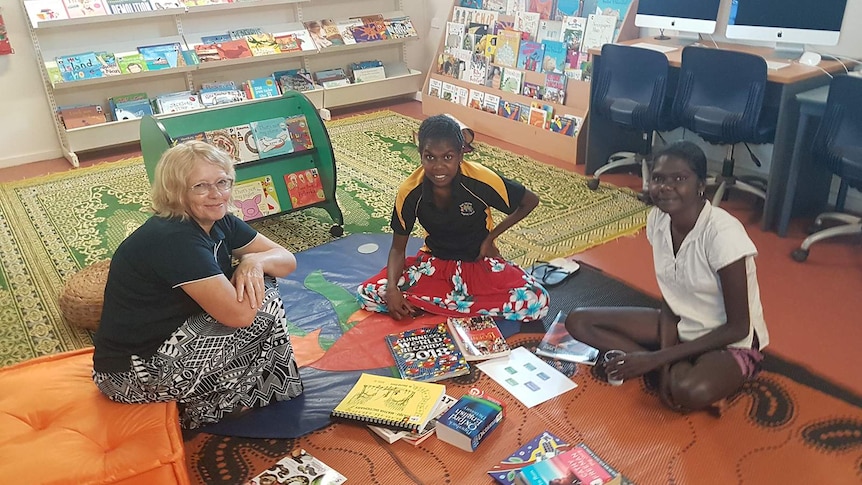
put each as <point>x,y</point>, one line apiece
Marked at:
<point>706,338</point>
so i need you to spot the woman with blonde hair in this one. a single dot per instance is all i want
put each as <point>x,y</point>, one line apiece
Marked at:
<point>180,323</point>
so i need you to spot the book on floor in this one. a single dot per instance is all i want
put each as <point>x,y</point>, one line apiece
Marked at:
<point>391,402</point>
<point>579,464</point>
<point>468,422</point>
<point>558,343</point>
<point>415,437</point>
<point>427,354</point>
<point>542,447</point>
<point>478,338</point>
<point>298,467</point>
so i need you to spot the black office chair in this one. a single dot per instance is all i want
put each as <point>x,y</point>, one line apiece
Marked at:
<point>838,144</point>
<point>720,97</point>
<point>630,89</point>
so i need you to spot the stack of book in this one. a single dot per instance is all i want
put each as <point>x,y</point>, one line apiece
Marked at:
<point>427,354</point>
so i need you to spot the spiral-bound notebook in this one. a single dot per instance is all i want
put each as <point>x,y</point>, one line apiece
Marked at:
<point>390,402</point>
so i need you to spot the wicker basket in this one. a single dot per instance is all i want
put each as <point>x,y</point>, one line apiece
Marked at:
<point>83,295</point>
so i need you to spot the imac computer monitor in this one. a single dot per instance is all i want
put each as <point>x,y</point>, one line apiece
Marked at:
<point>789,23</point>
<point>698,16</point>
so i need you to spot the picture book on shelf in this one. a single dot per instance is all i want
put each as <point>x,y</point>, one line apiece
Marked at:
<point>272,137</point>
<point>558,343</point>
<point>475,99</point>
<point>262,44</point>
<point>262,87</point>
<point>84,65</point>
<point>300,37</point>
<point>130,106</point>
<point>549,29</point>
<point>527,22</point>
<point>287,43</point>
<point>578,464</point>
<point>448,92</point>
<point>243,139</point>
<point>234,49</point>
<point>85,8</point>
<point>207,52</point>
<point>468,422</point>
<point>389,401</point>
<point>128,6</point>
<point>555,56</point>
<point>162,56</point>
<point>329,29</point>
<point>615,8</point>
<point>45,11</point>
<point>294,79</point>
<point>538,117</point>
<point>476,16</point>
<point>237,34</point>
<point>215,39</point>
<point>537,449</point>
<point>298,467</point>
<point>478,69</point>
<point>508,44</point>
<point>530,55</point>
<point>490,103</point>
<point>573,32</point>
<point>462,95</point>
<point>569,8</point>
<point>478,338</point>
<point>400,27</point>
<point>533,90</point>
<point>304,187</point>
<point>300,136</point>
<point>434,87</point>
<point>555,88</point>
<point>455,33</point>
<point>511,80</point>
<point>545,8</point>
<point>599,31</point>
<point>222,138</point>
<point>254,198</point>
<point>509,110</point>
<point>345,29</point>
<point>177,102</point>
<point>370,32</point>
<point>427,354</point>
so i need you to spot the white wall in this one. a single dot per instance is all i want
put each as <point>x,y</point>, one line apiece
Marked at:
<point>28,133</point>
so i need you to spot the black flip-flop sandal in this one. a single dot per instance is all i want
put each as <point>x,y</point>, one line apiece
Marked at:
<point>548,274</point>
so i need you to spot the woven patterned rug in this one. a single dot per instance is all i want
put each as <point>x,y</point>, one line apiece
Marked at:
<point>50,227</point>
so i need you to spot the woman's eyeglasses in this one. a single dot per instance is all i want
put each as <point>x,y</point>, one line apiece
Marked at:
<point>204,188</point>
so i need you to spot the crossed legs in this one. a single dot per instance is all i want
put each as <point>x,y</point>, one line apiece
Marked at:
<point>688,384</point>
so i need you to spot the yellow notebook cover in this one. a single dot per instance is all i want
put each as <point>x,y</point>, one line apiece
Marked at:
<point>392,402</point>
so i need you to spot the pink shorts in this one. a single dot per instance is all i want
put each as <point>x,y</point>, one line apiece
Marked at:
<point>748,360</point>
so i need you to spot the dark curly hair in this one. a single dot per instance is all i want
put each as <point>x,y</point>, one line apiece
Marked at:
<point>440,128</point>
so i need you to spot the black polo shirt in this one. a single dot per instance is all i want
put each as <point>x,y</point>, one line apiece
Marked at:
<point>144,301</point>
<point>456,232</point>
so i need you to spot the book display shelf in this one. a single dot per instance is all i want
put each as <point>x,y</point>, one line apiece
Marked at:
<point>520,130</point>
<point>159,132</point>
<point>125,32</point>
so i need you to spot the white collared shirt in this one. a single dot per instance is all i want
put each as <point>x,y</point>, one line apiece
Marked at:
<point>689,281</point>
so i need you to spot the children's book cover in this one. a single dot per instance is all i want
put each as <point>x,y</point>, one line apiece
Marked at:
<point>300,36</point>
<point>345,28</point>
<point>448,92</point>
<point>370,32</point>
<point>524,113</point>
<point>476,98</point>
<point>237,34</point>
<point>85,8</point>
<point>255,198</point>
<point>455,33</point>
<point>498,6</point>
<point>304,187</point>
<point>472,15</point>
<point>530,55</point>
<point>567,349</point>
<point>427,354</point>
<point>263,87</point>
<point>473,37</point>
<point>578,464</point>
<point>417,437</point>
<point>178,101</point>
<point>555,88</point>
<point>494,76</point>
<point>462,96</point>
<point>511,81</point>
<point>555,56</point>
<point>538,117</point>
<point>45,10</point>
<point>109,63</point>
<point>390,401</point>
<point>540,448</point>
<point>162,56</point>
<point>527,22</point>
<point>128,6</point>
<point>510,110</point>
<point>533,90</point>
<point>478,338</point>
<point>490,103</point>
<point>85,65</point>
<point>262,44</point>
<point>199,136</point>
<point>478,70</point>
<point>508,44</point>
<point>434,87</point>
<point>614,8</point>
<point>448,65</point>
<point>221,138</point>
<point>215,39</point>
<point>573,32</point>
<point>598,32</point>
<point>271,137</point>
<point>234,49</point>
<point>400,27</point>
<point>549,29</point>
<point>471,3</point>
<point>300,136</point>
<point>298,467</point>
<point>569,8</point>
<point>329,29</point>
<point>243,140</point>
<point>545,8</point>
<point>207,52</point>
<point>287,43</point>
<point>294,79</point>
<point>489,44</point>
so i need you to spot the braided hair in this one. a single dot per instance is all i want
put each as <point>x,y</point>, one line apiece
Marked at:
<point>440,128</point>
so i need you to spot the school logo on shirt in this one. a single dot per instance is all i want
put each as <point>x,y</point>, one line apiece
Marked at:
<point>467,209</point>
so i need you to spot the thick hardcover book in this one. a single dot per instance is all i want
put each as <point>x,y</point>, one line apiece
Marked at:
<point>427,354</point>
<point>389,401</point>
<point>304,187</point>
<point>478,338</point>
<point>559,344</point>
<point>272,137</point>
<point>579,464</point>
<point>467,423</point>
<point>537,449</point>
<point>298,467</point>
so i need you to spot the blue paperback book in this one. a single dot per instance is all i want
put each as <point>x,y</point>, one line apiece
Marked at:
<point>75,67</point>
<point>272,137</point>
<point>468,422</point>
<point>555,56</point>
<point>162,56</point>
<point>263,87</point>
<point>537,449</point>
<point>530,55</point>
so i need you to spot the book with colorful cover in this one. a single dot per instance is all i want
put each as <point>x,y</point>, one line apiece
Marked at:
<point>538,117</point>
<point>109,63</point>
<point>262,44</point>
<point>85,8</point>
<point>272,137</point>
<point>549,29</point>
<point>475,99</point>
<point>128,6</point>
<point>130,106</point>
<point>530,55</point>
<point>254,198</point>
<point>162,56</point>
<point>243,139</point>
<point>300,136</point>
<point>578,464</point>
<point>234,49</point>
<point>558,343</point>
<point>370,32</point>
<point>533,90</point>
<point>221,138</point>
<point>237,34</point>
<point>415,437</point>
<point>345,29</point>
<point>554,59</point>
<point>540,448</point>
<point>427,354</point>
<point>527,22</point>
<point>215,39</point>
<point>508,44</point>
<point>510,110</point>
<point>545,8</point>
<point>304,187</point>
<point>45,11</point>
<point>399,27</point>
<point>448,92</point>
<point>391,402</point>
<point>330,30</point>
<point>565,126</point>
<point>573,32</point>
<point>555,88</point>
<point>568,8</point>
<point>262,87</point>
<point>207,52</point>
<point>478,338</point>
<point>84,65</point>
<point>478,71</point>
<point>511,81</point>
<point>469,422</point>
<point>617,9</point>
<point>490,103</point>
<point>294,80</point>
<point>287,43</point>
<point>298,467</point>
<point>434,87</point>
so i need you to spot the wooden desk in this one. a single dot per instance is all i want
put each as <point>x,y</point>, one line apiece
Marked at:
<point>605,138</point>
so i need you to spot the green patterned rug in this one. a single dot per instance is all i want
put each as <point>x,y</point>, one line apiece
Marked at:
<point>50,227</point>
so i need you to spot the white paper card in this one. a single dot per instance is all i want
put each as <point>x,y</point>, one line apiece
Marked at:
<point>530,379</point>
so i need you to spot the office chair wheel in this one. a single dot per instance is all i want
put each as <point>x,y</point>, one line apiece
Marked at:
<point>799,255</point>
<point>336,230</point>
<point>593,183</point>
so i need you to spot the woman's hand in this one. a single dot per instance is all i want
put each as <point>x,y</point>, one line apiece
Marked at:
<point>248,280</point>
<point>634,364</point>
<point>488,249</point>
<point>398,306</point>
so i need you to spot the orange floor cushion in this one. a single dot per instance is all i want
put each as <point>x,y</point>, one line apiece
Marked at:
<point>56,427</point>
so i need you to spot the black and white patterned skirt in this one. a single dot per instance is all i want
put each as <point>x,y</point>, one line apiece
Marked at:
<point>212,369</point>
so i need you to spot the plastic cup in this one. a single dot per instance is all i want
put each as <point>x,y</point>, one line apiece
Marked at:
<point>611,373</point>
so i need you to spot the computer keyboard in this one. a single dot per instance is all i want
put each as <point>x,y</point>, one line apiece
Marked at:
<point>776,64</point>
